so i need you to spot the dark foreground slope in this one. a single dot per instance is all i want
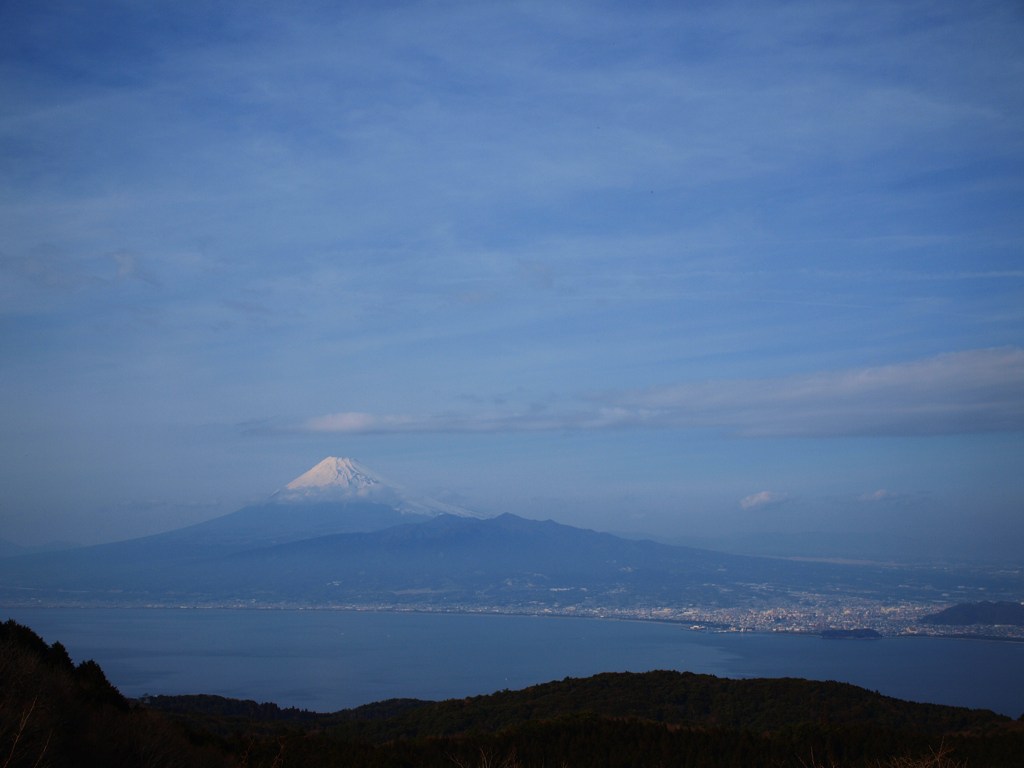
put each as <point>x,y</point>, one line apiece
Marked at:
<point>53,713</point>
<point>56,714</point>
<point>624,719</point>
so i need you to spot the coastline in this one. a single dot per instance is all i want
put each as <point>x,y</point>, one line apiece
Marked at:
<point>710,623</point>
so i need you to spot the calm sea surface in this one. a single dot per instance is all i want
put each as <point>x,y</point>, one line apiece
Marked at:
<point>330,660</point>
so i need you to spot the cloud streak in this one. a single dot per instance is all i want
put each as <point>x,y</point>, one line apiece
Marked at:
<point>972,391</point>
<point>762,499</point>
<point>975,391</point>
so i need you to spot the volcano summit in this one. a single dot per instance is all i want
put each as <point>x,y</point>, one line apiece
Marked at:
<point>333,474</point>
<point>346,480</point>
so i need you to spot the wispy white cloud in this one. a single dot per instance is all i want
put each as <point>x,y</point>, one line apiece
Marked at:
<point>130,267</point>
<point>762,499</point>
<point>880,495</point>
<point>357,422</point>
<point>354,422</point>
<point>963,392</point>
<point>972,391</point>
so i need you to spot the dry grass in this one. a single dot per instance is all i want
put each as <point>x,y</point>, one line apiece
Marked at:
<point>939,758</point>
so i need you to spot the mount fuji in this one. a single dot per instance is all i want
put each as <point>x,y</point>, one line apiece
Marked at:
<point>338,495</point>
<point>346,480</point>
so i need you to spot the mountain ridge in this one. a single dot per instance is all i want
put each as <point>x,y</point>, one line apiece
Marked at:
<point>664,696</point>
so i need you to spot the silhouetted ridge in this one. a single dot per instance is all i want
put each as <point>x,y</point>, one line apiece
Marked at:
<point>56,714</point>
<point>655,718</point>
<point>685,698</point>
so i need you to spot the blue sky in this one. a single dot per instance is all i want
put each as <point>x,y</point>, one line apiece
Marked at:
<point>692,269</point>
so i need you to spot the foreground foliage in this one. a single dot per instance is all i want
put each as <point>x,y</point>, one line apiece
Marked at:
<point>53,713</point>
<point>56,714</point>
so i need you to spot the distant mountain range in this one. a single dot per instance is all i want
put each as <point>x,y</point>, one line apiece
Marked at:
<point>341,535</point>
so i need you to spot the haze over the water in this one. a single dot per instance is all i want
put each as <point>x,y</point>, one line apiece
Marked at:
<point>709,271</point>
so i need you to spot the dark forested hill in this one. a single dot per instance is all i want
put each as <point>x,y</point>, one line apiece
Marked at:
<point>620,719</point>
<point>56,714</point>
<point>676,698</point>
<point>627,719</point>
<point>984,612</point>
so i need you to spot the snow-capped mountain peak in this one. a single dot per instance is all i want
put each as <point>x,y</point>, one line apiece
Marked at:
<point>336,473</point>
<point>346,480</point>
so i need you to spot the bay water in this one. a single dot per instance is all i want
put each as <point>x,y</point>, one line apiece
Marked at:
<point>327,660</point>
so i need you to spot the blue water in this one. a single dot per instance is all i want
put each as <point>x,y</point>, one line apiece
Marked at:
<point>330,660</point>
